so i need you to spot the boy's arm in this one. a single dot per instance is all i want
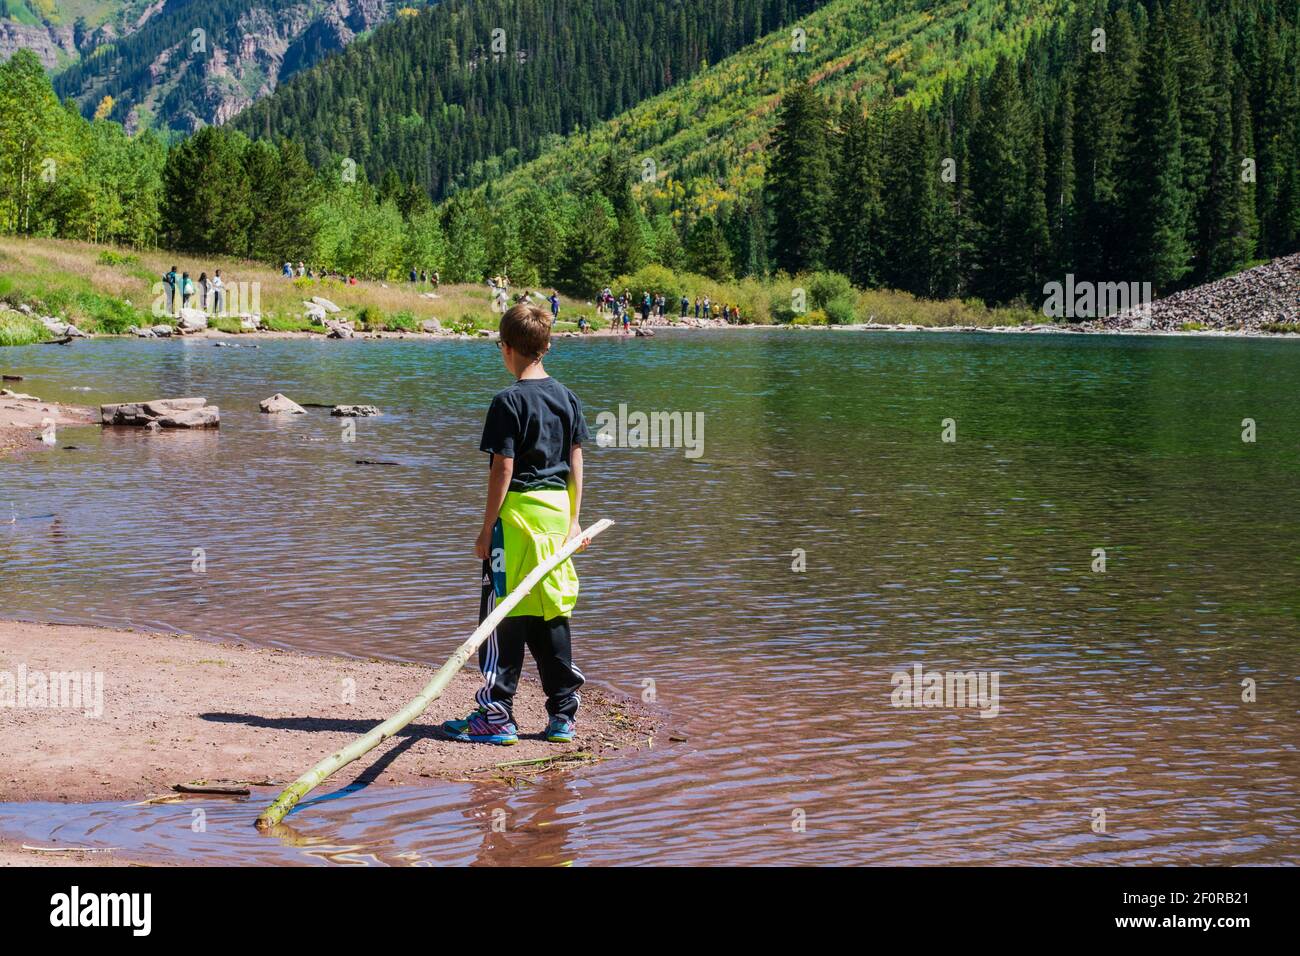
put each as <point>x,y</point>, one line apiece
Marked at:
<point>575,494</point>
<point>503,470</point>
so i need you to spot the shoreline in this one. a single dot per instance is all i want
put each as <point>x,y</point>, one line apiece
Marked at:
<point>1044,328</point>
<point>175,709</point>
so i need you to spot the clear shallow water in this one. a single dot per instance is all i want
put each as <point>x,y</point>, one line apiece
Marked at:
<point>1118,691</point>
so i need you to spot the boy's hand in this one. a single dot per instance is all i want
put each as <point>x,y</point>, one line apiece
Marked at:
<point>483,546</point>
<point>575,530</point>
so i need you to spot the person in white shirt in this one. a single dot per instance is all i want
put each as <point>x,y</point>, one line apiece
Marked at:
<point>218,289</point>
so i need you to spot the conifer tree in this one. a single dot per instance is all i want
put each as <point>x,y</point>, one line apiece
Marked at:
<point>1156,199</point>
<point>798,183</point>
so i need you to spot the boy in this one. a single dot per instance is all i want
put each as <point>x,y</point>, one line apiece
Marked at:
<point>534,434</point>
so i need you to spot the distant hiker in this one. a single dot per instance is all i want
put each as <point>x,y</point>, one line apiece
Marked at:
<point>287,271</point>
<point>583,324</point>
<point>187,290</point>
<point>169,280</point>
<point>555,306</point>
<point>218,288</point>
<point>424,278</point>
<point>686,304</point>
<point>627,320</point>
<point>414,276</point>
<point>436,281</point>
<point>697,306</point>
<point>534,434</point>
<point>707,305</point>
<point>645,307</point>
<point>205,289</point>
<point>302,268</point>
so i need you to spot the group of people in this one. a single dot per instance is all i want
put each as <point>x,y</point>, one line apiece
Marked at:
<point>179,289</point>
<point>655,304</point>
<point>303,271</point>
<point>423,276</point>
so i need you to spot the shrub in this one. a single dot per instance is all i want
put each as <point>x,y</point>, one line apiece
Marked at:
<point>404,321</point>
<point>652,278</point>
<point>371,318</point>
<point>840,311</point>
<point>110,258</point>
<point>825,287</point>
<point>467,324</point>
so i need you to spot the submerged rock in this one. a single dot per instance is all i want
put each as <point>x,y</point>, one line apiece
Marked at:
<point>355,411</point>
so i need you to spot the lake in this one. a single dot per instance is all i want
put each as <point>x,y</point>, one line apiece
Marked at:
<point>1097,542</point>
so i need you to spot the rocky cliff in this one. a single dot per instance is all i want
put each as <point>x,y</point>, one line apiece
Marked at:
<point>185,65</point>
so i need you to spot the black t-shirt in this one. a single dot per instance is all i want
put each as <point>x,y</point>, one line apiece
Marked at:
<point>535,421</point>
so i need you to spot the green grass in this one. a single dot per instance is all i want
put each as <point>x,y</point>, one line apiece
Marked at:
<point>19,329</point>
<point>107,290</point>
<point>287,323</point>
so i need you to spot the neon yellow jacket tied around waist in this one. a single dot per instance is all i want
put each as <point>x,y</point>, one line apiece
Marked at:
<point>533,526</point>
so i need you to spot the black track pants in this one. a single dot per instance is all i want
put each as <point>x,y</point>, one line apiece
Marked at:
<point>501,659</point>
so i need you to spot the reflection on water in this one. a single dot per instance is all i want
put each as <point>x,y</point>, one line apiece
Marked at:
<point>1119,691</point>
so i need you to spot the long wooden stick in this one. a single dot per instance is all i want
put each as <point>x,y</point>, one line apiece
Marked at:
<point>314,777</point>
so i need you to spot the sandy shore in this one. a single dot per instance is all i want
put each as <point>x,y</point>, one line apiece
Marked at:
<point>23,416</point>
<point>175,709</point>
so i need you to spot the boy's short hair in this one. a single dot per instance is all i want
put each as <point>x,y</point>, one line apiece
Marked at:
<point>526,328</point>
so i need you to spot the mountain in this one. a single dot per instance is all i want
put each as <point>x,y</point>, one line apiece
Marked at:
<point>469,88</point>
<point>184,64</point>
<point>706,138</point>
<point>58,30</point>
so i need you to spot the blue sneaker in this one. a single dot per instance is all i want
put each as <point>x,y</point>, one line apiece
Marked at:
<point>478,729</point>
<point>560,730</point>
